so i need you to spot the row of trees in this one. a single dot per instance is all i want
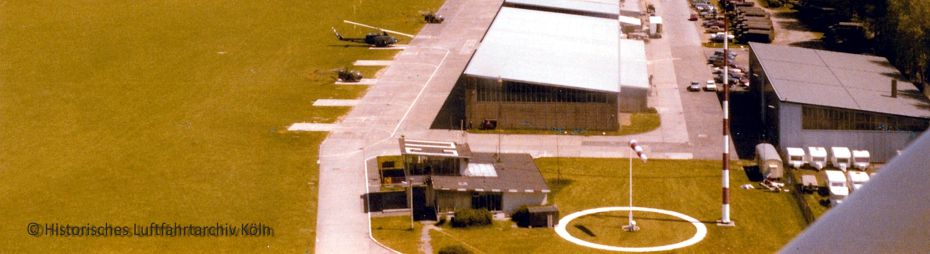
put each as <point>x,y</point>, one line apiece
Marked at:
<point>901,29</point>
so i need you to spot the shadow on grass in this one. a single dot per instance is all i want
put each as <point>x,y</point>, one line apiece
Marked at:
<point>753,173</point>
<point>556,185</point>
<point>399,228</point>
<point>586,230</point>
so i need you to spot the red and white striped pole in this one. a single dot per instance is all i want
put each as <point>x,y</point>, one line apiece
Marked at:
<point>725,217</point>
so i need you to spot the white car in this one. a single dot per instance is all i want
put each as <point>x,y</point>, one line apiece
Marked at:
<point>710,86</point>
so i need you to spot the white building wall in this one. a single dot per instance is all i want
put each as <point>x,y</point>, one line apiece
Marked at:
<point>511,201</point>
<point>883,145</point>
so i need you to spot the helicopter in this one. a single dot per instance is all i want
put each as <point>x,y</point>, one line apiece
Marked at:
<point>431,17</point>
<point>382,39</point>
<point>346,75</point>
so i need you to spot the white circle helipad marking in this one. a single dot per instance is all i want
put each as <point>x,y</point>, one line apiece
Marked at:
<point>698,236</point>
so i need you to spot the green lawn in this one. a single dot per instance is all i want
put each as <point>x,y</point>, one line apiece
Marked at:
<point>133,112</point>
<point>764,220</point>
<point>395,232</point>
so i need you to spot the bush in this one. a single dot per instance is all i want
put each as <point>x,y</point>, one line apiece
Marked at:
<point>454,249</point>
<point>471,217</point>
<point>521,216</point>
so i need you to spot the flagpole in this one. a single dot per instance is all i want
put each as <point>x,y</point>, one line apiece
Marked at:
<point>633,148</point>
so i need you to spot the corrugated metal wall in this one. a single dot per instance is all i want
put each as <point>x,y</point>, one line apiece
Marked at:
<point>883,145</point>
<point>540,115</point>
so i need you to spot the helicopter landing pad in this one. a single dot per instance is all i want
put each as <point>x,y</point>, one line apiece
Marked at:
<point>372,62</point>
<point>392,47</point>
<point>363,82</point>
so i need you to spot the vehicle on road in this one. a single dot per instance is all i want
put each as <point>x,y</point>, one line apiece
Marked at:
<point>695,86</point>
<point>693,17</point>
<point>710,86</point>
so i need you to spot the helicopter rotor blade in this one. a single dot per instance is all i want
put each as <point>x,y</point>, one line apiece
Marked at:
<point>374,27</point>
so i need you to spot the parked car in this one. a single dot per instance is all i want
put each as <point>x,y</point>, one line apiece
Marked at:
<point>713,22</point>
<point>720,52</point>
<point>718,37</point>
<point>714,29</point>
<point>710,86</point>
<point>694,87</point>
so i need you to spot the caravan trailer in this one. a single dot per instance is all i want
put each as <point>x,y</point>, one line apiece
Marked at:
<point>795,157</point>
<point>836,182</point>
<point>840,157</point>
<point>817,157</point>
<point>769,161</point>
<point>861,159</point>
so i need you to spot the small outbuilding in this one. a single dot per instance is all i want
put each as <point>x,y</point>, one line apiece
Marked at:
<point>770,163</point>
<point>543,216</point>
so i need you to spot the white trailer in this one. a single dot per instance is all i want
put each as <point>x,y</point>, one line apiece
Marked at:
<point>840,157</point>
<point>836,182</point>
<point>817,157</point>
<point>795,157</point>
<point>861,159</point>
<point>857,179</point>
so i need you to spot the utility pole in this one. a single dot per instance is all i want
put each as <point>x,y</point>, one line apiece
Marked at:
<point>634,147</point>
<point>500,100</point>
<point>725,213</point>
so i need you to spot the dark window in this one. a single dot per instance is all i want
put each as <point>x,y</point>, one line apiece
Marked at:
<point>822,118</point>
<point>487,200</point>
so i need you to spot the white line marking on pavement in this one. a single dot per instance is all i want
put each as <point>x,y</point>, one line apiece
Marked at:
<point>363,82</point>
<point>312,127</point>
<point>335,103</point>
<point>422,89</point>
<point>372,62</point>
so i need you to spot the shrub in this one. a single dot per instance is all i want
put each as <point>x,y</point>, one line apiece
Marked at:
<point>471,217</point>
<point>521,216</point>
<point>454,249</point>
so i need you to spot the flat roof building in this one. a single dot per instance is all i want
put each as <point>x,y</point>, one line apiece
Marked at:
<point>541,70</point>
<point>822,98</point>
<point>449,176</point>
<point>595,8</point>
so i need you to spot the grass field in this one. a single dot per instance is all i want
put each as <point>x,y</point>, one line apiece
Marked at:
<point>764,220</point>
<point>133,112</point>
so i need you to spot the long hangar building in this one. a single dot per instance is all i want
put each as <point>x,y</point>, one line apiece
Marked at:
<point>543,70</point>
<point>822,98</point>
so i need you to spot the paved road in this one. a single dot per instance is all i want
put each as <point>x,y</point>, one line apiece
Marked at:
<point>435,56</point>
<point>410,92</point>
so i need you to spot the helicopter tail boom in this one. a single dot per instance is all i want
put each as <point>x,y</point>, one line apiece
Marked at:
<point>339,36</point>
